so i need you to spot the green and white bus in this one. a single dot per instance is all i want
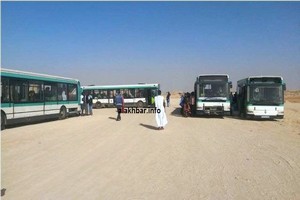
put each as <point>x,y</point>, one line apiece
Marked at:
<point>139,95</point>
<point>261,97</point>
<point>30,96</point>
<point>212,94</point>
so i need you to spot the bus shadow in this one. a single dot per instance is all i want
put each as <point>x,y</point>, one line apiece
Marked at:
<point>28,123</point>
<point>209,116</point>
<point>177,112</point>
<point>240,118</point>
<point>148,126</point>
<point>34,121</point>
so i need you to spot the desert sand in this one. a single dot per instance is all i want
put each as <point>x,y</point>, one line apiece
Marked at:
<point>96,157</point>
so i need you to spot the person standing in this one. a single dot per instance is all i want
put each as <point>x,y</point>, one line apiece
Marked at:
<point>168,99</point>
<point>119,102</point>
<point>82,103</point>
<point>192,103</point>
<point>160,115</point>
<point>90,104</point>
<point>86,103</point>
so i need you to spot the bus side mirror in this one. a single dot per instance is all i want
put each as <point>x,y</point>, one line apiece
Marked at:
<point>284,86</point>
<point>230,84</point>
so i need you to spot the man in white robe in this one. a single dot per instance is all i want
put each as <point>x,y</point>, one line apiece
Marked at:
<point>160,115</point>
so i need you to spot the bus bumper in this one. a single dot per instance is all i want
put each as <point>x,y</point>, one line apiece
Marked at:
<point>218,111</point>
<point>252,116</point>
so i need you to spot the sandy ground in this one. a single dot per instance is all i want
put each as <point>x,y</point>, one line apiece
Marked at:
<point>95,157</point>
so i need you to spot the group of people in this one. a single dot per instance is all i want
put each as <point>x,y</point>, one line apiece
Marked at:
<point>187,103</point>
<point>86,103</point>
<point>160,115</point>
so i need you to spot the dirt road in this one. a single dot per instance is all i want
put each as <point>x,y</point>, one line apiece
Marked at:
<point>95,157</point>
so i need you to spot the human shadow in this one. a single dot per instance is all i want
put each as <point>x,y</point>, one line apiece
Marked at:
<point>3,192</point>
<point>113,118</point>
<point>148,126</point>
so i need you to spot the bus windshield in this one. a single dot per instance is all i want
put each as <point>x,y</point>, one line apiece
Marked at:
<point>266,95</point>
<point>214,89</point>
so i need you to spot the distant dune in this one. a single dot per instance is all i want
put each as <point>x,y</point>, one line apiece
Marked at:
<point>292,96</point>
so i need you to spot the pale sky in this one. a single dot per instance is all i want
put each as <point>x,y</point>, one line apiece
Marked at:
<point>170,43</point>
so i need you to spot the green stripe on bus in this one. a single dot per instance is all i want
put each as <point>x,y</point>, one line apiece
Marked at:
<point>40,78</point>
<point>6,105</point>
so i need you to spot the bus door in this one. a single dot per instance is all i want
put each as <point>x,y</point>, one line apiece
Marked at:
<point>6,94</point>
<point>151,93</point>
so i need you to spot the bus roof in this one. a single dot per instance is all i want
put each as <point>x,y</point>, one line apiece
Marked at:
<point>153,85</point>
<point>214,75</point>
<point>258,79</point>
<point>35,76</point>
<point>265,77</point>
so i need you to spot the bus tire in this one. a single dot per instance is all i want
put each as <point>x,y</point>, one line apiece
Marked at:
<point>3,121</point>
<point>63,113</point>
<point>98,105</point>
<point>139,104</point>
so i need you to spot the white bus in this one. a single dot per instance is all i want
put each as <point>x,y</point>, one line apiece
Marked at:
<point>139,95</point>
<point>31,96</point>
<point>212,94</point>
<point>261,97</point>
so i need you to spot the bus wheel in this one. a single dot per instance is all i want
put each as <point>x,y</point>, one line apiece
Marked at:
<point>98,105</point>
<point>140,104</point>
<point>62,113</point>
<point>3,121</point>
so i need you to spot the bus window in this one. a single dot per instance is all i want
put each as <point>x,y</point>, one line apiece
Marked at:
<point>123,92</point>
<point>96,94</point>
<point>62,92</point>
<point>4,90</point>
<point>20,91</point>
<point>50,91</point>
<point>111,93</point>
<point>35,94</point>
<point>139,93</point>
<point>103,94</point>
<point>131,93</point>
<point>72,92</point>
<point>128,93</point>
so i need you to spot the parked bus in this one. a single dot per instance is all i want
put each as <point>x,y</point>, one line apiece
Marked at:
<point>261,97</point>
<point>30,96</point>
<point>212,95</point>
<point>139,95</point>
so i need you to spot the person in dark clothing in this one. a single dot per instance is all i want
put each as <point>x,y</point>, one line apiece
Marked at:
<point>168,99</point>
<point>186,105</point>
<point>119,101</point>
<point>192,103</point>
<point>86,103</point>
<point>90,104</point>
